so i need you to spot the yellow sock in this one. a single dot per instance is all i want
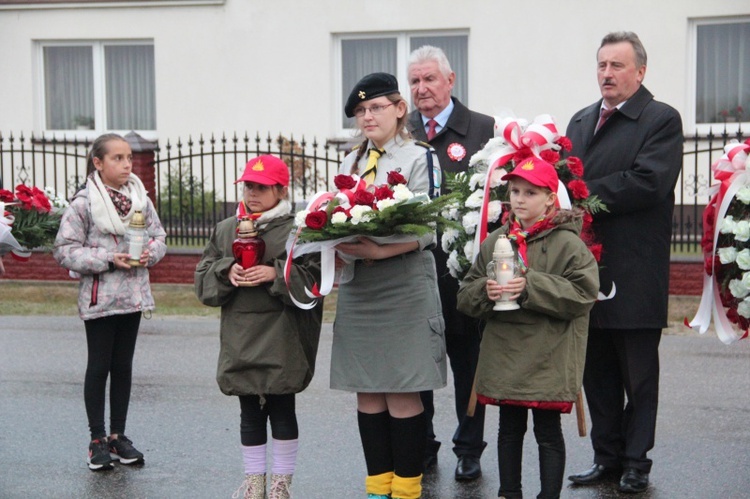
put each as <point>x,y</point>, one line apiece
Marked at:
<point>379,484</point>
<point>406,488</point>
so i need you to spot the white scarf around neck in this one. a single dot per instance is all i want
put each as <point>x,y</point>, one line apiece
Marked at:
<point>103,210</point>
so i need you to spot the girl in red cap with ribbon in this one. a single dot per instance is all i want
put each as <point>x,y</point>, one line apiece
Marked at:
<point>533,357</point>
<point>268,345</point>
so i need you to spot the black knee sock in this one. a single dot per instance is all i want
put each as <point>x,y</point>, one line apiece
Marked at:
<point>407,437</point>
<point>375,432</point>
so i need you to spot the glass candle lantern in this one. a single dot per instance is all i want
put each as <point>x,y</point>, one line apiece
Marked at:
<point>136,237</point>
<point>248,248</point>
<point>502,269</point>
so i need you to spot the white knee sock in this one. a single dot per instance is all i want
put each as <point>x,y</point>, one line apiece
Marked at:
<point>254,458</point>
<point>284,456</point>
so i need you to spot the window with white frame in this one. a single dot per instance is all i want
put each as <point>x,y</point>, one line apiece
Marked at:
<point>362,55</point>
<point>722,71</point>
<point>98,86</point>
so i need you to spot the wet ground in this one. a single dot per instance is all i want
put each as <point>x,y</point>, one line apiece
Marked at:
<point>189,431</point>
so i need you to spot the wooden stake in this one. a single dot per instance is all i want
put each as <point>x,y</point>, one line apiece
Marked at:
<point>580,415</point>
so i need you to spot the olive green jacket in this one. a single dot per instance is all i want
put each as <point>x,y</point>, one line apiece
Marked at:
<point>536,353</point>
<point>268,345</point>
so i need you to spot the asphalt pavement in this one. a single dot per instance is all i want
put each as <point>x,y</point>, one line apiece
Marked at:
<point>189,431</point>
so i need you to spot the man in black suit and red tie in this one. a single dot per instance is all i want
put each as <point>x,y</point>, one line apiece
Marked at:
<point>631,147</point>
<point>455,133</point>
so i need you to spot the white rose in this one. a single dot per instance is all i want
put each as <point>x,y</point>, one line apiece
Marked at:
<point>476,180</point>
<point>727,225</point>
<point>746,280</point>
<point>743,259</point>
<point>453,266</point>
<point>402,193</point>
<point>385,203</point>
<point>361,213</point>
<point>743,308</point>
<point>469,250</point>
<point>494,210</point>
<point>449,236</point>
<point>338,218</point>
<point>451,213</point>
<point>744,194</point>
<point>475,199</point>
<point>738,288</point>
<point>727,255</point>
<point>742,230</point>
<point>470,221</point>
<point>496,178</point>
<point>299,218</point>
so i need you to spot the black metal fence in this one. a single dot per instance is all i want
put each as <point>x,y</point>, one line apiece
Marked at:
<point>194,179</point>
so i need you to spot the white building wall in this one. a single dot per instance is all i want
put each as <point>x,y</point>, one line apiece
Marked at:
<point>269,66</point>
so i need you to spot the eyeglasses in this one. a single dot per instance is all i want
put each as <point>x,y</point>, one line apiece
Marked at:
<point>375,110</point>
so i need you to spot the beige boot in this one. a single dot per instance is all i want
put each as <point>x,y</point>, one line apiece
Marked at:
<point>254,487</point>
<point>280,485</point>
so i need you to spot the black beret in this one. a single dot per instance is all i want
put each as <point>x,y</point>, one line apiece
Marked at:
<point>369,87</point>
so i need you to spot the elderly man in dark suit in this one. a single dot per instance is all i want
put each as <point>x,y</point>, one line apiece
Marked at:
<point>631,147</point>
<point>455,133</point>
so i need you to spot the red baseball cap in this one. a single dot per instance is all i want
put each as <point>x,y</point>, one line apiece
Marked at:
<point>535,171</point>
<point>266,170</point>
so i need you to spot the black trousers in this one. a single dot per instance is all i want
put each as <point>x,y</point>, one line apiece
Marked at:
<point>622,363</point>
<point>468,439</point>
<point>551,444</point>
<point>111,345</point>
<point>280,410</point>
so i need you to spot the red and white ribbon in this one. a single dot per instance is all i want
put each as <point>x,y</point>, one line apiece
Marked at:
<point>538,136</point>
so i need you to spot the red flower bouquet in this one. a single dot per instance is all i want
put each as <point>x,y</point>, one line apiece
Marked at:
<point>29,218</point>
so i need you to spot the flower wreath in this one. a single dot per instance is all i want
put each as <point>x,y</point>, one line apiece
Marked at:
<point>726,248</point>
<point>29,218</point>
<point>387,213</point>
<point>482,194</point>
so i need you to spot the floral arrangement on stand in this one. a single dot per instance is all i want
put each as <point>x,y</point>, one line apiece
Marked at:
<point>29,218</point>
<point>482,196</point>
<point>387,213</point>
<point>726,248</point>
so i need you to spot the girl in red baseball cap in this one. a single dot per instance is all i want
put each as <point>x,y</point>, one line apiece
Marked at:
<point>268,345</point>
<point>532,358</point>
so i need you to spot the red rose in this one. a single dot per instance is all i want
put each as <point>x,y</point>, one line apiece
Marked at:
<point>395,178</point>
<point>344,182</point>
<point>550,156</point>
<point>596,250</point>
<point>24,195</point>
<point>6,196</point>
<point>588,218</point>
<point>340,209</point>
<point>316,220</point>
<point>708,261</point>
<point>575,165</point>
<point>578,189</point>
<point>365,198</point>
<point>40,201</point>
<point>565,143</point>
<point>383,192</point>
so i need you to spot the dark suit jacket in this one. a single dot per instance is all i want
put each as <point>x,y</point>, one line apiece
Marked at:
<point>632,164</point>
<point>472,130</point>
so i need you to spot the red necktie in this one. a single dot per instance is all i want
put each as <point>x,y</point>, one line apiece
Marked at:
<point>606,113</point>
<point>431,131</point>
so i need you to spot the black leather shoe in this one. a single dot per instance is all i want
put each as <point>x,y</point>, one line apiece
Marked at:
<point>468,468</point>
<point>596,474</point>
<point>633,481</point>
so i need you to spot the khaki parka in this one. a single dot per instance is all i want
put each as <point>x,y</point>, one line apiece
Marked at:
<point>268,345</point>
<point>536,353</point>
